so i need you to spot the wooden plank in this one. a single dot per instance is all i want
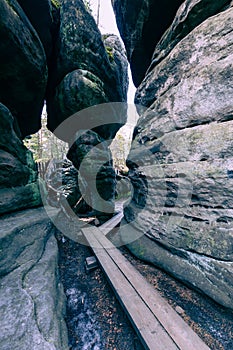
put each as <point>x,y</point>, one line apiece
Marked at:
<point>151,333</point>
<point>179,330</point>
<point>110,224</point>
<point>181,333</point>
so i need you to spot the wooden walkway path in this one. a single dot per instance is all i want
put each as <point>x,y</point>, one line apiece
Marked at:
<point>157,324</point>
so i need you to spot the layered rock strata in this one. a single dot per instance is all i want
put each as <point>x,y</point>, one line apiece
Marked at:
<point>181,158</point>
<point>19,187</point>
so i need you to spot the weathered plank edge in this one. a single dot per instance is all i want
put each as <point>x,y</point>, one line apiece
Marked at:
<point>152,335</point>
<point>176,327</point>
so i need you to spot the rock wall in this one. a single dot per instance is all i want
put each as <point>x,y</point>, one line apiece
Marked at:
<point>85,72</point>
<point>141,24</point>
<point>52,51</point>
<point>181,158</point>
<point>89,70</point>
<point>23,68</point>
<point>32,300</point>
<point>18,173</point>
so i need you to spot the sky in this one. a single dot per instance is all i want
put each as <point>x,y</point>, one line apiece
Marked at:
<point>107,24</point>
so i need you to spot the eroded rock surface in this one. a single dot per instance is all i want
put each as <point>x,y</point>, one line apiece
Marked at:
<point>141,24</point>
<point>181,159</point>
<point>92,157</point>
<point>145,27</point>
<point>86,72</point>
<point>23,69</point>
<point>53,51</point>
<point>41,16</point>
<point>32,300</point>
<point>19,186</point>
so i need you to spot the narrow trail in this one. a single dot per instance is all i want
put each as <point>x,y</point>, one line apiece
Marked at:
<point>113,328</point>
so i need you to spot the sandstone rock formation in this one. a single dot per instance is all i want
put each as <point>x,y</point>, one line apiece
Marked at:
<point>141,24</point>
<point>18,172</point>
<point>91,155</point>
<point>54,51</point>
<point>50,51</point>
<point>86,72</point>
<point>23,69</point>
<point>32,299</point>
<point>42,16</point>
<point>181,158</point>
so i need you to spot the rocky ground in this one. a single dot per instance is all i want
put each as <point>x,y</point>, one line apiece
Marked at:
<point>95,318</point>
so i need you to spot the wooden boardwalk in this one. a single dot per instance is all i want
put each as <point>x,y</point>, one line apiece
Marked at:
<point>157,324</point>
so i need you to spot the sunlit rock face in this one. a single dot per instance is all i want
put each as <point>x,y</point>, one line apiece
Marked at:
<point>181,160</point>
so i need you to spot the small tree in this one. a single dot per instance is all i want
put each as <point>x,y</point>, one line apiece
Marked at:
<point>44,145</point>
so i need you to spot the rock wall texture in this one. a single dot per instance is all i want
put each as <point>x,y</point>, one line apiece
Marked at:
<point>32,300</point>
<point>18,173</point>
<point>49,51</point>
<point>86,72</point>
<point>52,51</point>
<point>23,68</point>
<point>141,24</point>
<point>181,160</point>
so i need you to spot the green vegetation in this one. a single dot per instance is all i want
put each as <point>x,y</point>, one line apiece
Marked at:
<point>87,4</point>
<point>109,51</point>
<point>44,145</point>
<point>56,3</point>
<point>105,36</point>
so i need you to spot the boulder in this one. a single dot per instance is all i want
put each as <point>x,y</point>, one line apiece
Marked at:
<point>141,25</point>
<point>23,69</point>
<point>92,157</point>
<point>83,71</point>
<point>181,162</point>
<point>86,72</point>
<point>78,90</point>
<point>41,17</point>
<point>189,16</point>
<point>32,299</point>
<point>119,64</point>
<point>62,180</point>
